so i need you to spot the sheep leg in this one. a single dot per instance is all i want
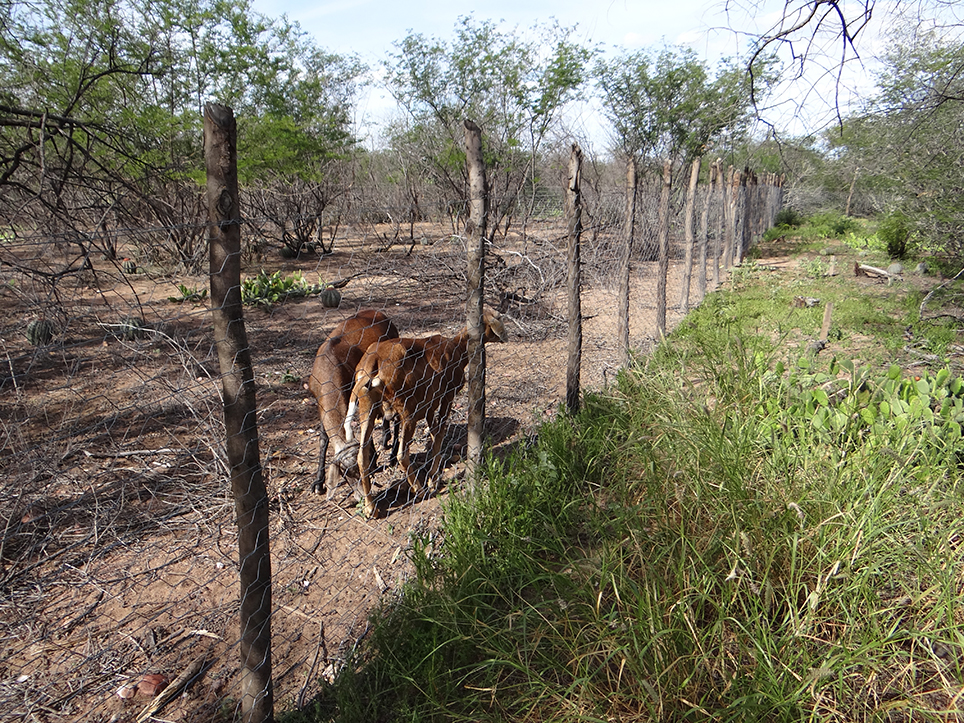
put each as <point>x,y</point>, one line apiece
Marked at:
<point>405,458</point>
<point>390,437</point>
<point>366,454</point>
<point>342,466</point>
<point>319,486</point>
<point>437,431</point>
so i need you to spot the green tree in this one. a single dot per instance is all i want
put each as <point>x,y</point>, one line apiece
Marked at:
<point>514,86</point>
<point>916,130</point>
<point>101,110</point>
<point>900,154</point>
<point>667,104</point>
<point>901,151</point>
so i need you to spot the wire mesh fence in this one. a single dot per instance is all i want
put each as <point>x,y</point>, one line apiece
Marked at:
<point>118,557</point>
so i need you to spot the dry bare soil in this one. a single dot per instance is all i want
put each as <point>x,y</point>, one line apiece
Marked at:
<point>119,547</point>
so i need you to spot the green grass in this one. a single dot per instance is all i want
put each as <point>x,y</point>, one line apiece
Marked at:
<point>816,228</point>
<point>737,530</point>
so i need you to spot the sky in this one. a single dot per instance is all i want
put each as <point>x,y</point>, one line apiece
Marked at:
<point>368,29</point>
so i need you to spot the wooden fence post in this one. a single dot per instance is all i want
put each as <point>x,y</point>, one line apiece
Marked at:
<point>758,209</point>
<point>705,236</point>
<point>240,412</point>
<point>663,268</point>
<point>718,190</point>
<point>777,203</point>
<point>690,236</point>
<point>574,207</point>
<point>730,198</point>
<point>475,231</point>
<point>629,229</point>
<point>745,226</point>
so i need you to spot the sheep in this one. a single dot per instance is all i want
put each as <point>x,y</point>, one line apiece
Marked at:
<point>411,379</point>
<point>332,377</point>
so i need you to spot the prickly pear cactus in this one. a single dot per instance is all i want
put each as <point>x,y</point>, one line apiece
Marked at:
<point>40,332</point>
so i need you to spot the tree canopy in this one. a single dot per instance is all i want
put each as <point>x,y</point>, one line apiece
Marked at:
<point>512,85</point>
<point>102,100</point>
<point>667,103</point>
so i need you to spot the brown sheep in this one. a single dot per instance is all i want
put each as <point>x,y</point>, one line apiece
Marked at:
<point>332,377</point>
<point>410,379</point>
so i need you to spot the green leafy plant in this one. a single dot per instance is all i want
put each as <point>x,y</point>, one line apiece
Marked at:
<point>816,268</point>
<point>860,241</point>
<point>187,293</point>
<point>266,289</point>
<point>828,225</point>
<point>895,233</point>
<point>788,217</point>
<point>746,270</point>
<point>833,223</point>
<point>779,231</point>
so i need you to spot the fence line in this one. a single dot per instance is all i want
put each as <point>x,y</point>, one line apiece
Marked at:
<point>119,546</point>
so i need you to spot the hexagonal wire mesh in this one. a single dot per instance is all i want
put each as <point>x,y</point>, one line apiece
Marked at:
<point>119,539</point>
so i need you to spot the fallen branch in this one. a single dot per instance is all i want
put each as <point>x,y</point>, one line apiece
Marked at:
<point>131,453</point>
<point>342,283</point>
<point>322,648</point>
<point>865,270</point>
<point>934,291</point>
<point>191,673</point>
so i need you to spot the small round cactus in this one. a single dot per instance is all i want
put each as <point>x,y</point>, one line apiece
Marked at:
<point>40,332</point>
<point>132,328</point>
<point>129,266</point>
<point>289,252</point>
<point>330,298</point>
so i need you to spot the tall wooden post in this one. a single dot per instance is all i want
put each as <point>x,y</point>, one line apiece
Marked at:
<point>745,205</point>
<point>240,412</point>
<point>663,266</point>
<point>476,230</point>
<point>574,207</point>
<point>719,190</point>
<point>690,236</point>
<point>730,196</point>
<point>704,236</point>
<point>629,229</point>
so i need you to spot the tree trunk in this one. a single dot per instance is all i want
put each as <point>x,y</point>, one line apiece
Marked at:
<point>574,206</point>
<point>850,195</point>
<point>629,227</point>
<point>663,271</point>
<point>690,236</point>
<point>240,413</point>
<point>475,238</point>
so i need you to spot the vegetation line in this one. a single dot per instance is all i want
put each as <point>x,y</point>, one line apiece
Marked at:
<point>738,529</point>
